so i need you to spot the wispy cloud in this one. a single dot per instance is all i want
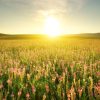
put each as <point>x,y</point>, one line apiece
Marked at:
<point>40,8</point>
<point>63,6</point>
<point>57,7</point>
<point>78,4</point>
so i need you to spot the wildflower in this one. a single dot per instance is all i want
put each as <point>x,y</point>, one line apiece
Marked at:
<point>33,89</point>
<point>47,88</point>
<point>43,72</point>
<point>98,74</point>
<point>19,72</point>
<point>97,87</point>
<point>74,74</point>
<point>80,91</point>
<point>19,93</point>
<point>60,78</point>
<point>27,95</point>
<point>72,66</point>
<point>1,86</point>
<point>68,95</point>
<point>63,94</point>
<point>1,74</point>
<point>9,81</point>
<point>12,95</point>
<point>15,70</point>
<point>97,91</point>
<point>72,93</point>
<point>4,98</point>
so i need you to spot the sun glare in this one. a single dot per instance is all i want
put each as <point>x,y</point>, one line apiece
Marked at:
<point>52,27</point>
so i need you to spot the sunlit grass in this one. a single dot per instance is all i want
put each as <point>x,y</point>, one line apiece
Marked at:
<point>50,69</point>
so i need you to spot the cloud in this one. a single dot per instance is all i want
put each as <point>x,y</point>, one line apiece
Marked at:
<point>77,3</point>
<point>58,6</point>
<point>15,2</point>
<point>43,7</point>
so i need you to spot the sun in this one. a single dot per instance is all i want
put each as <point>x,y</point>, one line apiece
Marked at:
<point>52,27</point>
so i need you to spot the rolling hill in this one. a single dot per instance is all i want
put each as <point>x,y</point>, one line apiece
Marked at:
<point>35,36</point>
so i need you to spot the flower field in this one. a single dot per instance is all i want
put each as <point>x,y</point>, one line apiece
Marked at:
<point>60,69</point>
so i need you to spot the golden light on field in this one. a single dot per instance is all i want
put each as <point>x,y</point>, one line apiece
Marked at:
<point>52,27</point>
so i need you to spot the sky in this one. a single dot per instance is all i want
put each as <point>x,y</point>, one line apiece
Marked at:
<point>28,16</point>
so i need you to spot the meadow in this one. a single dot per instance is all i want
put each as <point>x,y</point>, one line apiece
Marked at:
<point>50,69</point>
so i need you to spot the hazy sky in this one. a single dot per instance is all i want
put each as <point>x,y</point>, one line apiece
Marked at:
<point>28,16</point>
